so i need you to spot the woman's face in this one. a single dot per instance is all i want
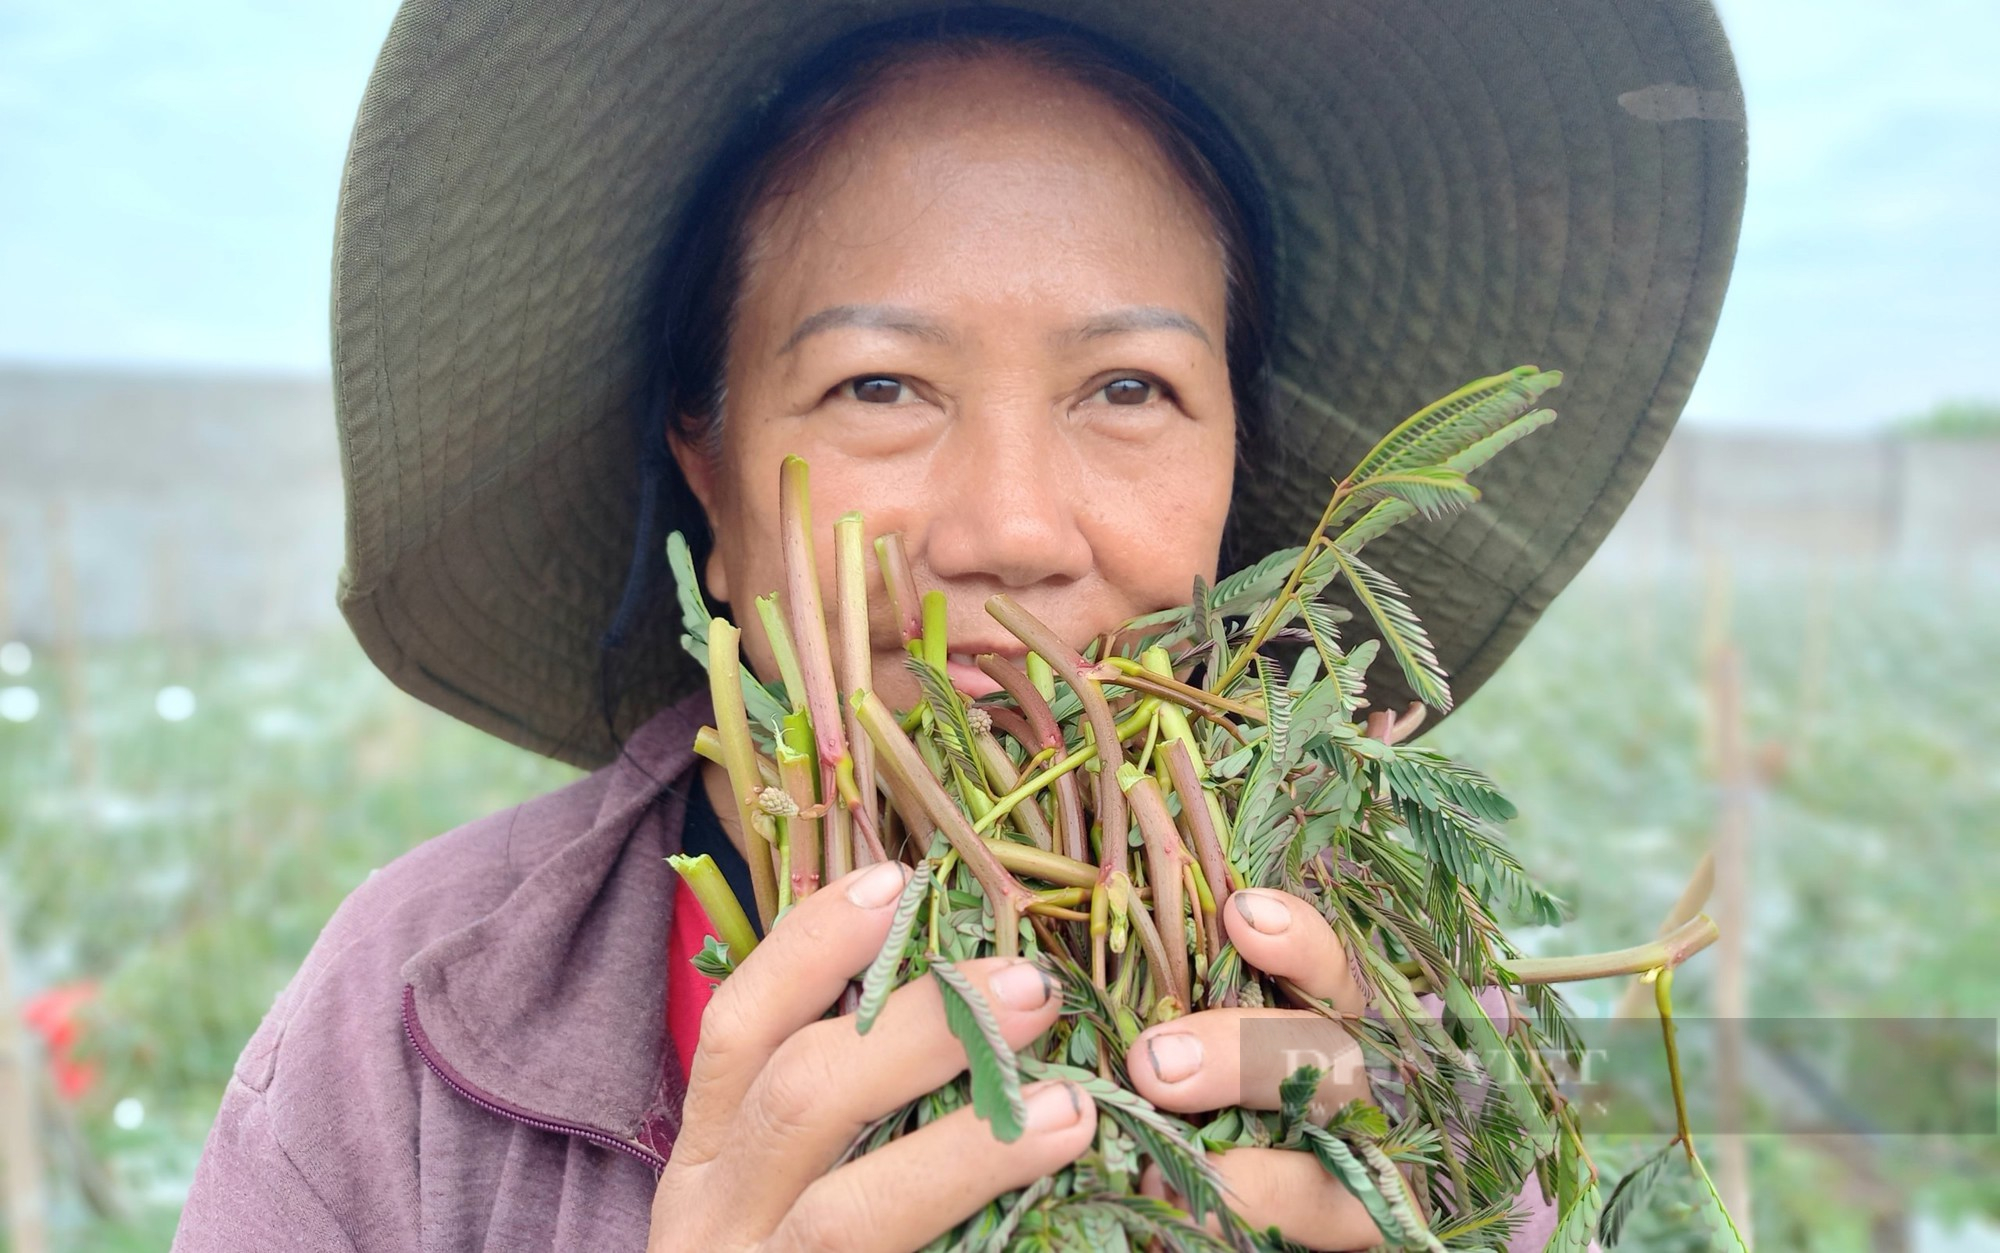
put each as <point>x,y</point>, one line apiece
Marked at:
<point>991,317</point>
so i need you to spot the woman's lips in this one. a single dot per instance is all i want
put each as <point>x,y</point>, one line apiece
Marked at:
<point>967,677</point>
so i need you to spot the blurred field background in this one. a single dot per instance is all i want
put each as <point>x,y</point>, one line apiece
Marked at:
<point>197,764</point>
<point>1784,657</point>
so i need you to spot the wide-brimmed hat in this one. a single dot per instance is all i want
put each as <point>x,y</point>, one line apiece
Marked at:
<point>1455,187</point>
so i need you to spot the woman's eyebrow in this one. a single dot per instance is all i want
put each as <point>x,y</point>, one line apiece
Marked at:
<point>879,317</point>
<point>1138,318</point>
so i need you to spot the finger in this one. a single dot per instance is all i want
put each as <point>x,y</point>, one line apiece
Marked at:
<point>1222,1057</point>
<point>1246,1186</point>
<point>1282,935</point>
<point>828,1081</point>
<point>1290,1190</point>
<point>787,981</point>
<point>914,1189</point>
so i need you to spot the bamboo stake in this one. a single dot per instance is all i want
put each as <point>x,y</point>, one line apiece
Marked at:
<point>69,648</point>
<point>1814,652</point>
<point>1737,778</point>
<point>169,623</point>
<point>20,1159</point>
<point>6,589</point>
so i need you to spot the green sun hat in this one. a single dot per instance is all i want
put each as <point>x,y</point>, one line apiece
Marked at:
<point>1456,187</point>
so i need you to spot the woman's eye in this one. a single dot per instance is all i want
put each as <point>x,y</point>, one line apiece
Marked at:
<point>1128,392</point>
<point>876,389</point>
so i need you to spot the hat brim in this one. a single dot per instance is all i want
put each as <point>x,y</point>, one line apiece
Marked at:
<point>1457,187</point>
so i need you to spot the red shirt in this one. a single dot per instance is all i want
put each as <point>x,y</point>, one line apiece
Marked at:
<point>687,991</point>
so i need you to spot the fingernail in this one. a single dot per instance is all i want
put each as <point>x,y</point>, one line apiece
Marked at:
<point>879,885</point>
<point>1174,1056</point>
<point>1022,986</point>
<point>1261,912</point>
<point>1054,1106</point>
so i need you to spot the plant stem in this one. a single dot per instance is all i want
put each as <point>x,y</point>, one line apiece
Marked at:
<point>795,776</point>
<point>1265,625</point>
<point>854,670</point>
<point>1100,925</point>
<point>1159,958</point>
<point>1038,636</point>
<point>1082,756</point>
<point>1197,812</point>
<point>1073,836</point>
<point>1003,778</point>
<point>779,637</point>
<point>1049,909</point>
<point>1126,672</point>
<point>1202,913</point>
<point>708,746</point>
<point>899,759</point>
<point>934,636</point>
<point>717,901</point>
<point>1164,859</point>
<point>1692,936</point>
<point>739,758</point>
<point>1663,998</point>
<point>894,562</point>
<point>1173,721</point>
<point>815,662</point>
<point>1041,864</point>
<point>1042,677</point>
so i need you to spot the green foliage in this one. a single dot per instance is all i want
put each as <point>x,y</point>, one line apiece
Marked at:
<point>714,961</point>
<point>881,974</point>
<point>1401,633</point>
<point>687,590</point>
<point>1439,432</point>
<point>1954,419</point>
<point>1398,848</point>
<point>996,1075</point>
<point>186,867</point>
<point>1632,1191</point>
<point>765,710</point>
<point>217,848</point>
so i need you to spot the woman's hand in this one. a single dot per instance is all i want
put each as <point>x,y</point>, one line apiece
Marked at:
<point>1223,1057</point>
<point>777,1094</point>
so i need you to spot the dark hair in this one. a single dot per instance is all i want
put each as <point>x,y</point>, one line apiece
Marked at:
<point>701,269</point>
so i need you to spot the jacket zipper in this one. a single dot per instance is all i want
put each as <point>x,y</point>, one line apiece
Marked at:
<point>414,1032</point>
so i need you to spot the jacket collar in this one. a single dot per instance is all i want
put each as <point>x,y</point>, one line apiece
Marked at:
<point>550,1009</point>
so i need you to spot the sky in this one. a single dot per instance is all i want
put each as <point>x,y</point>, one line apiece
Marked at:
<point>168,175</point>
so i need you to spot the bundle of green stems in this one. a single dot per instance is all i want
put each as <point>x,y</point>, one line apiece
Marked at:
<point>1096,813</point>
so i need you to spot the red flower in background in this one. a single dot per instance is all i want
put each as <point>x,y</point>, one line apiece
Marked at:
<point>56,1015</point>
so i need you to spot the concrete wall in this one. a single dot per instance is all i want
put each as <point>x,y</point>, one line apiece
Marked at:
<point>1767,499</point>
<point>211,504</point>
<point>177,502</point>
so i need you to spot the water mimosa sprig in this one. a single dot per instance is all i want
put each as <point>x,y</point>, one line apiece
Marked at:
<point>1231,744</point>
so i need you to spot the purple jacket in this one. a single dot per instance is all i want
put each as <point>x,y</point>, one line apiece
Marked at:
<point>474,1055</point>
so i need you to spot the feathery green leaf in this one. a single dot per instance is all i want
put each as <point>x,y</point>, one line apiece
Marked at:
<point>1631,1192</point>
<point>1344,1164</point>
<point>1164,1138</point>
<point>1450,426</point>
<point>1483,451</point>
<point>881,975</point>
<point>1433,491</point>
<point>1401,633</point>
<point>996,1073</point>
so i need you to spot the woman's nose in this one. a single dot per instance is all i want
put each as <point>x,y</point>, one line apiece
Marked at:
<point>1006,504</point>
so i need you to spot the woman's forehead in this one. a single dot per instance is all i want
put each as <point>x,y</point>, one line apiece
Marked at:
<point>998,176</point>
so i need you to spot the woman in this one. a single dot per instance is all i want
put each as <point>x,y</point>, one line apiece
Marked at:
<point>1013,289</point>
